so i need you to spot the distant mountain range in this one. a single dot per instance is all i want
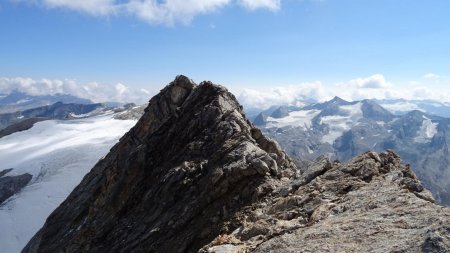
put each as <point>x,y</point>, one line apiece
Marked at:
<point>342,130</point>
<point>57,110</point>
<point>20,111</point>
<point>19,101</point>
<point>402,106</point>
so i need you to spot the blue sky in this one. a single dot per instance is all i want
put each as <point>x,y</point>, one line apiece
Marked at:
<point>253,44</point>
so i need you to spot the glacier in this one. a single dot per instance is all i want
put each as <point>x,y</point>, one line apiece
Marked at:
<point>58,153</point>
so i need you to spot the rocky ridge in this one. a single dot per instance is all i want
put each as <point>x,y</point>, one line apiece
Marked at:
<point>194,175</point>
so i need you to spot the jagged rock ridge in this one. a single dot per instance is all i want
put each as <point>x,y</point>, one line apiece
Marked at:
<point>192,161</point>
<point>194,175</point>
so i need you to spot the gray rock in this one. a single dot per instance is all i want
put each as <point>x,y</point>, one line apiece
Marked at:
<point>347,208</point>
<point>131,113</point>
<point>10,185</point>
<point>4,172</point>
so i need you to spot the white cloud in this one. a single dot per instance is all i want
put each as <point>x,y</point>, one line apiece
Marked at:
<point>173,11</point>
<point>93,90</point>
<point>401,107</point>
<point>167,12</point>
<point>257,4</point>
<point>372,82</point>
<point>288,95</point>
<point>431,76</point>
<point>372,87</point>
<point>93,7</point>
<point>435,78</point>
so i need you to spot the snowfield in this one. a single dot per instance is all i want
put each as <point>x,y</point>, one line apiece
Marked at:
<point>427,131</point>
<point>58,154</point>
<point>300,118</point>
<point>339,124</point>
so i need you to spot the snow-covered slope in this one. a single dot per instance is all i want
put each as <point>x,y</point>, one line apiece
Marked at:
<point>58,154</point>
<point>342,122</point>
<point>301,118</point>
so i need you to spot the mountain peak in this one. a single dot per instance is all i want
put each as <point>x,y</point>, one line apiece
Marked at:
<point>179,89</point>
<point>372,110</point>
<point>188,165</point>
<point>337,99</point>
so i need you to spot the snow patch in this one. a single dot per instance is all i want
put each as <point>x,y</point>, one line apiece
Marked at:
<point>338,124</point>
<point>300,118</point>
<point>427,131</point>
<point>23,101</point>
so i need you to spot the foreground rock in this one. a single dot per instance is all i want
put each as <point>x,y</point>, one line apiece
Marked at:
<point>372,204</point>
<point>194,175</point>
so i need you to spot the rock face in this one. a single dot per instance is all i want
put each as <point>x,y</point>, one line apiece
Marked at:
<point>10,185</point>
<point>194,175</point>
<point>131,112</point>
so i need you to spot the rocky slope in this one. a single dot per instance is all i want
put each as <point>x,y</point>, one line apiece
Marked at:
<point>194,175</point>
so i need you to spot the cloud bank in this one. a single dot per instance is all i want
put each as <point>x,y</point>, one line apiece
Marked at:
<point>167,12</point>
<point>372,87</point>
<point>375,86</point>
<point>94,91</point>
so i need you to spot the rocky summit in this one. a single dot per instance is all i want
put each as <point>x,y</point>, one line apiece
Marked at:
<point>194,175</point>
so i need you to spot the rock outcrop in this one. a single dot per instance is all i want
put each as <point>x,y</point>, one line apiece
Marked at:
<point>130,112</point>
<point>20,126</point>
<point>371,204</point>
<point>10,185</point>
<point>194,175</point>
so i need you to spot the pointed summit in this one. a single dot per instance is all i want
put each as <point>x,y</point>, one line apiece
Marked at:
<point>331,105</point>
<point>372,110</point>
<point>189,164</point>
<point>337,100</point>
